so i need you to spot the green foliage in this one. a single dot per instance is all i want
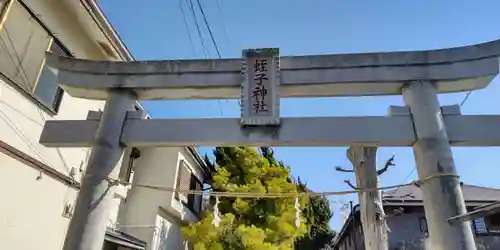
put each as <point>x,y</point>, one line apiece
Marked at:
<point>249,223</point>
<point>318,215</point>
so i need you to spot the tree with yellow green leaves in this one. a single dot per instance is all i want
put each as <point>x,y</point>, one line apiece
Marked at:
<point>249,223</point>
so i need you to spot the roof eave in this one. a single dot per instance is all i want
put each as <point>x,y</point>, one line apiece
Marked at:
<point>346,224</point>
<point>109,32</point>
<point>490,209</point>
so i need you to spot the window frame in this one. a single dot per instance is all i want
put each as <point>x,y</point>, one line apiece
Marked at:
<point>488,231</point>
<point>30,94</point>
<point>127,169</point>
<point>189,202</point>
<point>423,226</point>
<point>192,199</point>
<point>57,98</point>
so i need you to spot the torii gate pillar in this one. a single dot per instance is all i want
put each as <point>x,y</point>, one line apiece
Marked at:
<point>442,195</point>
<point>92,207</point>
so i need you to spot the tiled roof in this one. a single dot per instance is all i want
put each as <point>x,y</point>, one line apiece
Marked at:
<point>414,194</point>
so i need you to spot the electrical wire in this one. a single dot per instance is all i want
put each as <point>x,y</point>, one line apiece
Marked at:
<point>208,28</point>
<point>25,82</point>
<point>201,37</point>
<point>4,46</point>
<point>406,178</point>
<point>187,26</point>
<point>193,12</point>
<point>22,136</point>
<point>211,34</point>
<point>465,98</point>
<point>219,10</point>
<point>414,168</point>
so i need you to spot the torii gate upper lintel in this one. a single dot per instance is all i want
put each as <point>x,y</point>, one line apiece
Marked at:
<point>452,70</point>
<point>419,76</point>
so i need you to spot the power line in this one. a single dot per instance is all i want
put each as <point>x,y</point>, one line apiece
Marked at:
<point>208,27</point>
<point>187,26</point>
<point>226,36</point>
<point>218,5</point>
<point>413,170</point>
<point>190,2</point>
<point>465,98</point>
<point>25,83</point>
<point>406,179</point>
<point>193,12</point>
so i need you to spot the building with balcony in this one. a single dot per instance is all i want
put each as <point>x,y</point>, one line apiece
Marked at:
<point>39,185</point>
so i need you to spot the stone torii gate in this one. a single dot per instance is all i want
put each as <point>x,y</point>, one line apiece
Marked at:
<point>422,124</point>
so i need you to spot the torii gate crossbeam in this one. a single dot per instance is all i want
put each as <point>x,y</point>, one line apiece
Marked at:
<point>381,131</point>
<point>419,76</point>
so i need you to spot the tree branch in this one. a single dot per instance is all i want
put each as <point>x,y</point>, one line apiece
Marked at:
<point>388,163</point>
<point>344,170</point>
<point>350,184</point>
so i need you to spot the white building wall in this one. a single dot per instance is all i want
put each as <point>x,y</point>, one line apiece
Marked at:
<point>33,204</point>
<point>31,211</point>
<point>168,233</point>
<point>151,215</point>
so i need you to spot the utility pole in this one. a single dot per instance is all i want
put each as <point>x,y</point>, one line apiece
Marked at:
<point>372,215</point>
<point>442,195</point>
<point>88,225</point>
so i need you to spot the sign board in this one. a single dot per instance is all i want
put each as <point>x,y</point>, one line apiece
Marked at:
<point>260,86</point>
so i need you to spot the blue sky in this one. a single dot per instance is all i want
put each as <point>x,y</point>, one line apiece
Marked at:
<point>154,29</point>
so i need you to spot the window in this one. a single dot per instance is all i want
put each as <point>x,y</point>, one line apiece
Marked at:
<point>46,90</point>
<point>127,168</point>
<point>194,201</point>
<point>23,43</point>
<point>423,225</point>
<point>186,180</point>
<point>480,227</point>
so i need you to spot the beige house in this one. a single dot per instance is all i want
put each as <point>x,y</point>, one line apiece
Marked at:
<point>38,184</point>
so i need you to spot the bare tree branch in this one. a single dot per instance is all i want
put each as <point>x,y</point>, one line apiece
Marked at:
<point>344,170</point>
<point>388,163</point>
<point>350,185</point>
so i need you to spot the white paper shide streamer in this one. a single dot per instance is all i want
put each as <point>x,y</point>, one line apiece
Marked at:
<point>297,212</point>
<point>216,220</point>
